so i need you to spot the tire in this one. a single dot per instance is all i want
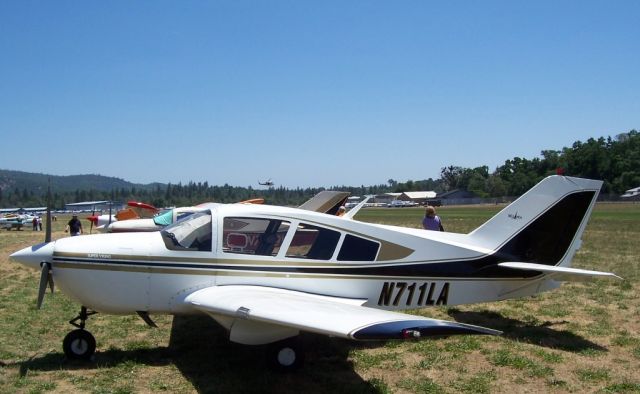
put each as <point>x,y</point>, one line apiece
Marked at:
<point>286,355</point>
<point>79,345</point>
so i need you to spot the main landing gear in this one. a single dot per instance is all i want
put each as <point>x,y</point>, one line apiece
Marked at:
<point>285,355</point>
<point>80,344</point>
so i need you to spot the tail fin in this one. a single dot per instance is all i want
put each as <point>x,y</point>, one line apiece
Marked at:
<point>544,225</point>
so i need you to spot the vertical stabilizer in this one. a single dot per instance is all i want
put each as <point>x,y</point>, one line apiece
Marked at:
<point>544,225</point>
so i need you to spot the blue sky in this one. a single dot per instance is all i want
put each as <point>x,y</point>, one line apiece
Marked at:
<point>308,93</point>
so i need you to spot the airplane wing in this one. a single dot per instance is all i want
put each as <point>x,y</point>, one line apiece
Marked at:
<point>340,317</point>
<point>560,273</point>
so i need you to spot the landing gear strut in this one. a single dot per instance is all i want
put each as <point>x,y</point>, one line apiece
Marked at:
<point>80,344</point>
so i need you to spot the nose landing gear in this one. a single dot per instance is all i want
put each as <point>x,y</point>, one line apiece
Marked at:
<point>80,344</point>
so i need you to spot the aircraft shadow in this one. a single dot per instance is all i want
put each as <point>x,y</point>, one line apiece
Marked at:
<point>538,334</point>
<point>205,356</point>
<point>201,351</point>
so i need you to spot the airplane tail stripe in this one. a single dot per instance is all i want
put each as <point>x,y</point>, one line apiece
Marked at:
<point>547,239</point>
<point>544,225</point>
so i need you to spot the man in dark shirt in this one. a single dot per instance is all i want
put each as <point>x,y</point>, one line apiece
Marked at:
<point>74,226</point>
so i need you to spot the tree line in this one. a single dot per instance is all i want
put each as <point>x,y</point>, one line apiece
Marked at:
<point>614,160</point>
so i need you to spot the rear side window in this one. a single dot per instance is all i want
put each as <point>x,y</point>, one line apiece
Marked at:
<point>253,236</point>
<point>312,242</point>
<point>358,249</point>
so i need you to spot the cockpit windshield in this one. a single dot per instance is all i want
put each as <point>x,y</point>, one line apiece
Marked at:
<point>191,233</point>
<point>164,219</point>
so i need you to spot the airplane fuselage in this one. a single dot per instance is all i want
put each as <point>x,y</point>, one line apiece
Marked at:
<point>124,273</point>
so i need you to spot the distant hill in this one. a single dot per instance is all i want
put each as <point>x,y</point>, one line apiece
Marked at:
<point>12,180</point>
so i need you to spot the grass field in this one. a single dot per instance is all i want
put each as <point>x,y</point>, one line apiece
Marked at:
<point>582,337</point>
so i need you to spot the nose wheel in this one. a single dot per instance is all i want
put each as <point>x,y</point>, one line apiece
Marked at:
<point>79,344</point>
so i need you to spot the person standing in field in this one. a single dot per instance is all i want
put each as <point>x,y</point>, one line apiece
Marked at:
<point>432,221</point>
<point>74,226</point>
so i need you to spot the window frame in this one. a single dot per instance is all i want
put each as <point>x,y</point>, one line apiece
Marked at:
<point>221,236</point>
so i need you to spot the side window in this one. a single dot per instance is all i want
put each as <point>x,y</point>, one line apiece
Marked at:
<point>358,249</point>
<point>253,236</point>
<point>311,242</point>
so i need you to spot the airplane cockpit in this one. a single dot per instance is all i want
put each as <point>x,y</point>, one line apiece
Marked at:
<point>194,233</point>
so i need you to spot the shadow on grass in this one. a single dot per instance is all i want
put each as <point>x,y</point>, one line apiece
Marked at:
<point>538,334</point>
<point>211,362</point>
<point>199,348</point>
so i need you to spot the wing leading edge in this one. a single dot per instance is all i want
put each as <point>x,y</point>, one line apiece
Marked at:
<point>256,308</point>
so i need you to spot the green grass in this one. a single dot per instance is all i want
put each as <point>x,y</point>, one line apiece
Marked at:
<point>582,337</point>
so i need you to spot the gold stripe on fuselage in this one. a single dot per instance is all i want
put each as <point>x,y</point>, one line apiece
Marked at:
<point>150,269</point>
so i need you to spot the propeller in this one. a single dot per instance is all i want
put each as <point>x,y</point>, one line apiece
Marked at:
<point>93,214</point>
<point>110,205</point>
<point>47,235</point>
<point>46,277</point>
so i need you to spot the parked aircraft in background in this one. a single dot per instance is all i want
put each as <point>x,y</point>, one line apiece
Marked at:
<point>12,221</point>
<point>266,273</point>
<point>155,223</point>
<point>402,204</point>
<point>15,221</point>
<point>134,210</point>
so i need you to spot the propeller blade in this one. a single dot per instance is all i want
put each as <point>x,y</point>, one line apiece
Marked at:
<point>50,280</point>
<point>47,235</point>
<point>93,213</point>
<point>44,280</point>
<point>110,205</point>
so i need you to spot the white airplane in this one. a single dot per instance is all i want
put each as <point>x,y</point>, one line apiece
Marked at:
<point>113,224</point>
<point>17,221</point>
<point>266,273</point>
<point>135,210</point>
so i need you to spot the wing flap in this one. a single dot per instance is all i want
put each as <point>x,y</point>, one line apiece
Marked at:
<point>560,273</point>
<point>340,317</point>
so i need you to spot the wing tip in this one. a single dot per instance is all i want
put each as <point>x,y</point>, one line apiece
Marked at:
<point>407,329</point>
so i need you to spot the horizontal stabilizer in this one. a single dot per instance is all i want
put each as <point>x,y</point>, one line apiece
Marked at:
<point>562,273</point>
<point>341,317</point>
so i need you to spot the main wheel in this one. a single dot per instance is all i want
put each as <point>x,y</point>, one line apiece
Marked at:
<point>79,344</point>
<point>286,355</point>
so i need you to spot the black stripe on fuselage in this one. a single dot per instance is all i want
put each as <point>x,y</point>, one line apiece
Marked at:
<point>544,241</point>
